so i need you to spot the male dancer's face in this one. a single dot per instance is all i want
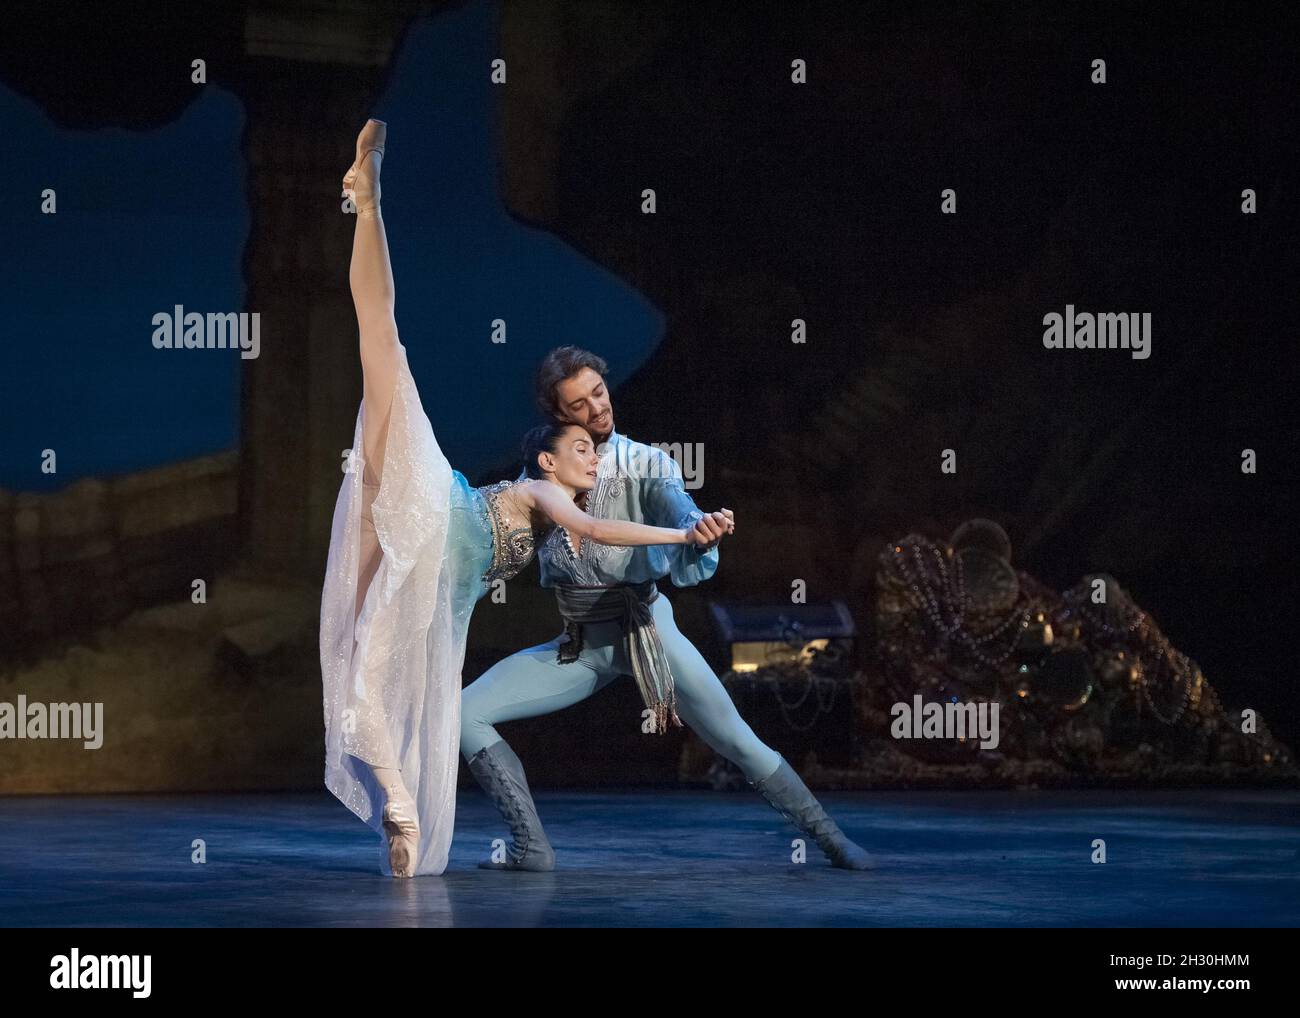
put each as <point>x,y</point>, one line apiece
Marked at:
<point>584,399</point>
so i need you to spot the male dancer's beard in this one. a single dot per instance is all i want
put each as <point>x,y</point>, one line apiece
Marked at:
<point>602,439</point>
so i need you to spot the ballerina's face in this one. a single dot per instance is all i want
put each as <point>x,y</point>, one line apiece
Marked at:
<point>574,460</point>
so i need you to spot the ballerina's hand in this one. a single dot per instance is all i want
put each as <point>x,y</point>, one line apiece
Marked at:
<point>693,536</point>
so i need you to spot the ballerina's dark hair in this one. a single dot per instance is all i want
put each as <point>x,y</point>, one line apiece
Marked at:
<point>544,437</point>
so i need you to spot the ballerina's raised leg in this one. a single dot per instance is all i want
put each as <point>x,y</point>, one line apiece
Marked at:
<point>371,279</point>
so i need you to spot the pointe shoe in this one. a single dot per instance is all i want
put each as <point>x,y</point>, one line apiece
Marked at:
<point>402,831</point>
<point>361,182</point>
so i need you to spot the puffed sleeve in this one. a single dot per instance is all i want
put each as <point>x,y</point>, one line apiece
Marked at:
<point>665,503</point>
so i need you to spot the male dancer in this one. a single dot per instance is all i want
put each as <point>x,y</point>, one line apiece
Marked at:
<point>619,623</point>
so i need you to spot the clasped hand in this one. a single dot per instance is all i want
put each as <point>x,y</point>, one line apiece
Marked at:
<point>709,529</point>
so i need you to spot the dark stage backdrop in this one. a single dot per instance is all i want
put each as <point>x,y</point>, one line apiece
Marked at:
<point>819,202</point>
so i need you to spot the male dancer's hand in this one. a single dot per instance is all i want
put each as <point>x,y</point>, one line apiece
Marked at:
<point>710,528</point>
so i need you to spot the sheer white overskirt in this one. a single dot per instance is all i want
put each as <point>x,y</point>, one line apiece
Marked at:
<point>395,702</point>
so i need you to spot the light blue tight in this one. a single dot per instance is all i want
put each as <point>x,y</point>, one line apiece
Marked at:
<point>532,682</point>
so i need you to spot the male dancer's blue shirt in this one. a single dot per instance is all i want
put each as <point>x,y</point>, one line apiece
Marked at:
<point>641,484</point>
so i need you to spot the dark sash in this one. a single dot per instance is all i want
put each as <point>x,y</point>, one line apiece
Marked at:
<point>629,603</point>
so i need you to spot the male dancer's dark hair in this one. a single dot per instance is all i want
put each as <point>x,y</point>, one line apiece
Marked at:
<point>561,363</point>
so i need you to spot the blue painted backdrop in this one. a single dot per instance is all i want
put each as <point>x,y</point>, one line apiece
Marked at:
<point>147,220</point>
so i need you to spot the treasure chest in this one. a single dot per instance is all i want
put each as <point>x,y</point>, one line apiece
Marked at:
<point>789,670</point>
<point>816,636</point>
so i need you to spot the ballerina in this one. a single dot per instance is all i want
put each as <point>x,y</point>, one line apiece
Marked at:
<point>413,546</point>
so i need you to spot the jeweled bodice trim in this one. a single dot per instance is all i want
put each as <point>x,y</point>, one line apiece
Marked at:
<point>513,542</point>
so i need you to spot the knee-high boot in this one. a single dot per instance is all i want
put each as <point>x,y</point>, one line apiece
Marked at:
<point>789,796</point>
<point>500,774</point>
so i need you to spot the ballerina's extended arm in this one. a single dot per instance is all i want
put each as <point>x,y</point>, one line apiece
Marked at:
<point>552,500</point>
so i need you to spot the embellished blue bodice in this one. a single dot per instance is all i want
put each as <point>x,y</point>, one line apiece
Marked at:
<point>490,536</point>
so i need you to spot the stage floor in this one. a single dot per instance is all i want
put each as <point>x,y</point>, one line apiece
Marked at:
<point>645,858</point>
